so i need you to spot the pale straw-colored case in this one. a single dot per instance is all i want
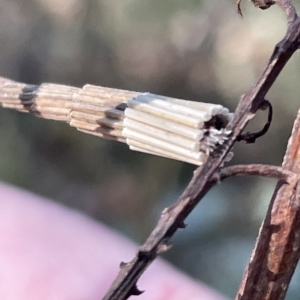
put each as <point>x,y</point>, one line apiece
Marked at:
<point>188,131</point>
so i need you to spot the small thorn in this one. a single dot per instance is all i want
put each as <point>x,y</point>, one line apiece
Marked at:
<point>182,225</point>
<point>123,264</point>
<point>134,291</point>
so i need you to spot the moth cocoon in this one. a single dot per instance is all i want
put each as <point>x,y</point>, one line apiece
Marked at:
<point>183,130</point>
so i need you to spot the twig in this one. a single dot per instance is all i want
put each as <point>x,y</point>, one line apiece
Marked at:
<point>277,250</point>
<point>254,169</point>
<point>250,137</point>
<point>173,217</point>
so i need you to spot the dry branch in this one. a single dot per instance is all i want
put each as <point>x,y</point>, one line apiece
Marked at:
<point>277,250</point>
<point>254,169</point>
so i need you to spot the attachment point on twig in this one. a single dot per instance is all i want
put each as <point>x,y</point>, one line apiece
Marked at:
<point>134,291</point>
<point>250,137</point>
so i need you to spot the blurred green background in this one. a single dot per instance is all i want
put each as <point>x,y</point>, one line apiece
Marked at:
<point>193,49</point>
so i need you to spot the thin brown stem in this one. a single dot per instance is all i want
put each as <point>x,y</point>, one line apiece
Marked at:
<point>277,250</point>
<point>251,137</point>
<point>256,170</point>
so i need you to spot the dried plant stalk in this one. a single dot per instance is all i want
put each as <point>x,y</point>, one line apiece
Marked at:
<point>277,250</point>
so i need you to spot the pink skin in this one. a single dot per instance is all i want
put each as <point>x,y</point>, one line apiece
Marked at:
<point>50,252</point>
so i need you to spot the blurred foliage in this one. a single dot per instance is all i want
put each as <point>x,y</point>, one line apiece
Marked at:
<point>192,49</point>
